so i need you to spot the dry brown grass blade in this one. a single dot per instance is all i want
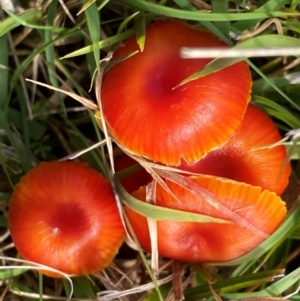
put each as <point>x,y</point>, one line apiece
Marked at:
<point>82,152</point>
<point>152,224</point>
<point>113,295</point>
<point>30,265</point>
<point>85,6</point>
<point>209,197</point>
<point>86,102</point>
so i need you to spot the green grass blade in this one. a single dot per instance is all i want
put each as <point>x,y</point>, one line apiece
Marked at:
<point>4,73</point>
<point>161,213</point>
<point>11,22</point>
<point>140,31</point>
<point>279,111</point>
<point>28,60</point>
<point>9,273</point>
<point>184,4</point>
<point>93,21</point>
<point>223,286</point>
<point>268,6</point>
<point>275,289</point>
<point>278,236</point>
<point>11,137</point>
<point>256,42</point>
<point>21,21</point>
<point>83,288</point>
<point>25,127</point>
<point>50,54</point>
<point>198,16</point>
<point>41,286</point>
<point>221,7</point>
<point>104,43</point>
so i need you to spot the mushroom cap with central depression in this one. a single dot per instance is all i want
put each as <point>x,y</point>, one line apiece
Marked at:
<point>150,115</point>
<point>64,215</point>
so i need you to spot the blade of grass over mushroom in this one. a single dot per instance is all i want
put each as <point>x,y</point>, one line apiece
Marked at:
<point>210,198</point>
<point>255,42</point>
<point>275,289</point>
<point>93,21</point>
<point>140,31</point>
<point>274,239</point>
<point>161,213</point>
<point>198,16</point>
<point>104,43</point>
<point>10,23</point>
<point>223,286</point>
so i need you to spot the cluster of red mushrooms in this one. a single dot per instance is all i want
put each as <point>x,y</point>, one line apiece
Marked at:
<point>64,214</point>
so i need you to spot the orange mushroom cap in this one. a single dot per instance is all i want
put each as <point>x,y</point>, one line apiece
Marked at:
<point>148,116</point>
<point>64,215</point>
<point>210,242</point>
<point>246,158</point>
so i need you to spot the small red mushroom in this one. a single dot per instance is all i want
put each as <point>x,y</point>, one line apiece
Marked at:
<point>246,156</point>
<point>210,242</point>
<point>148,116</point>
<point>64,215</point>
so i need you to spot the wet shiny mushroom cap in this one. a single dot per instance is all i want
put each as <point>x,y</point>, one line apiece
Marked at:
<point>150,115</point>
<point>64,215</point>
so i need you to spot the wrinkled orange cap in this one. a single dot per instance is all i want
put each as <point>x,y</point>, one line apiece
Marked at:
<point>148,116</point>
<point>64,215</point>
<point>246,156</point>
<point>210,242</point>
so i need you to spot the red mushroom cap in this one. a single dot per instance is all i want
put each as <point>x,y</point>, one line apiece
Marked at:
<point>148,117</point>
<point>210,242</point>
<point>133,181</point>
<point>246,158</point>
<point>64,215</point>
